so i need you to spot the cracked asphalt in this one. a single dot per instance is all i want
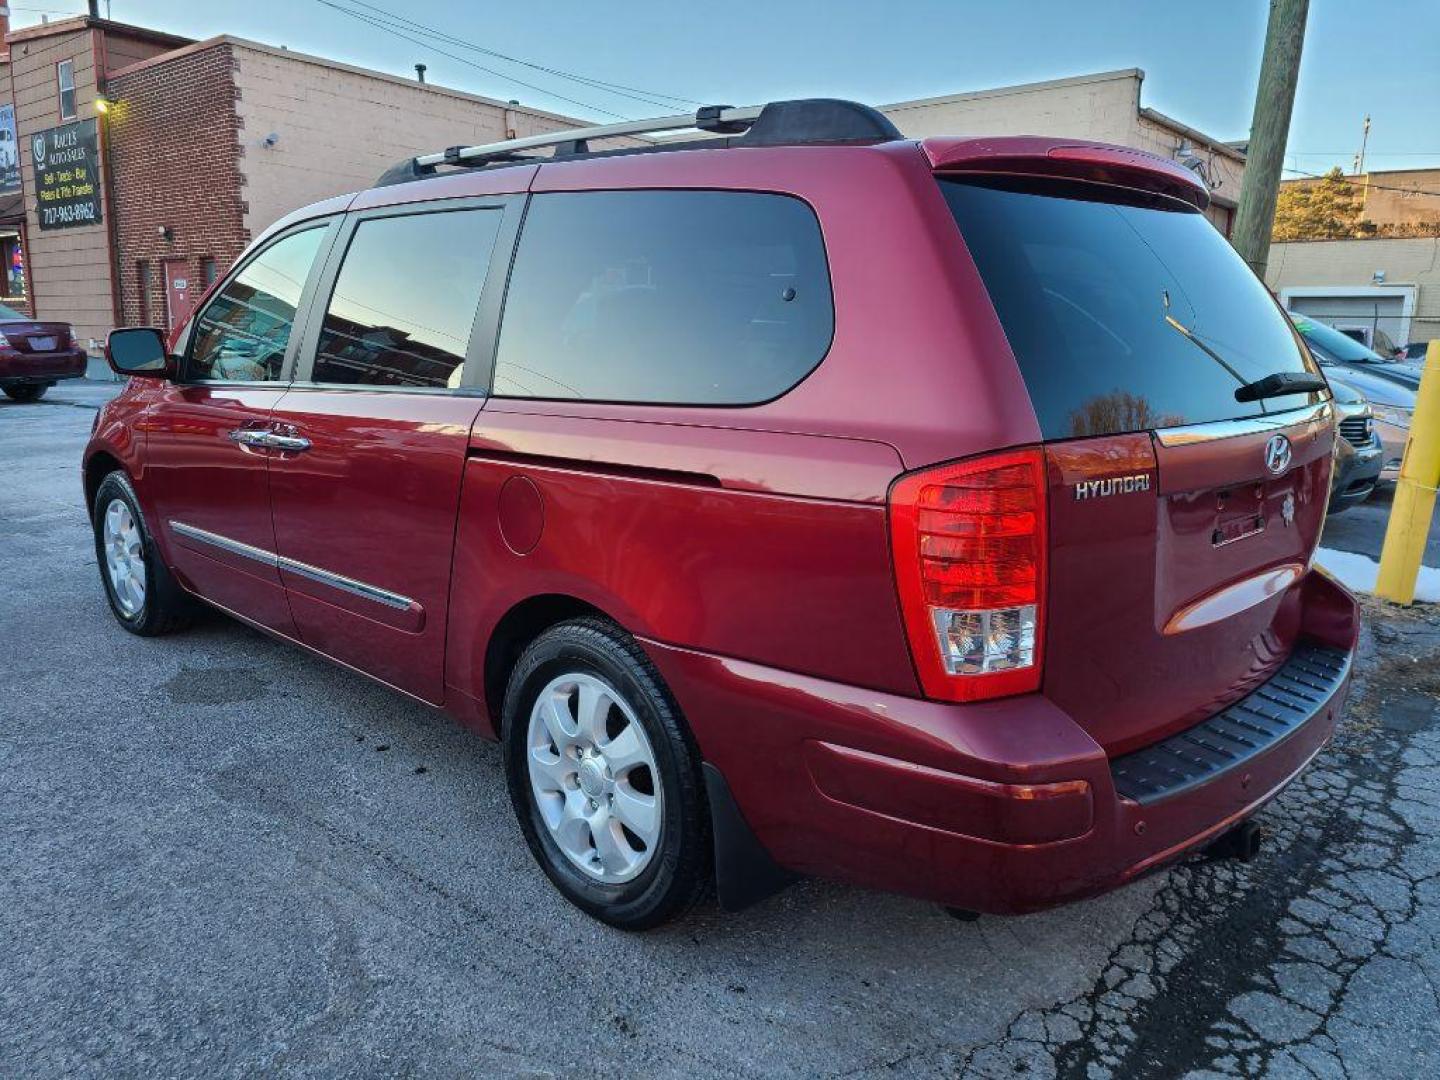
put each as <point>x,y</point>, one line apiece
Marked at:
<point>222,857</point>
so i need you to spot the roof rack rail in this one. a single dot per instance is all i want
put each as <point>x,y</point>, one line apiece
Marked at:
<point>780,123</point>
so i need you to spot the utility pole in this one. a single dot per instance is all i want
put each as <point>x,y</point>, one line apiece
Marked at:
<point>1364,141</point>
<point>1265,156</point>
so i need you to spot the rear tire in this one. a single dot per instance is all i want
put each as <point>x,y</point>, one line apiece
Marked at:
<point>26,392</point>
<point>617,818</point>
<point>144,597</point>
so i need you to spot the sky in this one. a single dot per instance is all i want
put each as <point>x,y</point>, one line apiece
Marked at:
<point>1200,60</point>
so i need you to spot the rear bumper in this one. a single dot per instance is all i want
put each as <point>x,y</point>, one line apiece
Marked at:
<point>19,367</point>
<point>1004,806</point>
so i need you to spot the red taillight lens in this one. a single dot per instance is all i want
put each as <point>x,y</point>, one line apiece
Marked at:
<point>968,541</point>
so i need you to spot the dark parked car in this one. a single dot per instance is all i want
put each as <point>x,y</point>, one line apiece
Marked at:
<point>34,356</point>
<point>1359,453</point>
<point>935,516</point>
<point>1388,386</point>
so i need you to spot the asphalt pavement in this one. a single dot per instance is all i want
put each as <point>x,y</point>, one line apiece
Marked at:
<point>224,857</point>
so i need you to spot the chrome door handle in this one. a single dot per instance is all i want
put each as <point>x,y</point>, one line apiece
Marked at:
<point>269,440</point>
<point>293,443</point>
<point>250,437</point>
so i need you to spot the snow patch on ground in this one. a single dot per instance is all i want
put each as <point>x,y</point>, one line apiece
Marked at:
<point>1358,573</point>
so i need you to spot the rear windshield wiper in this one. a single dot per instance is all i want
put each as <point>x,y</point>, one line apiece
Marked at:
<point>1280,384</point>
<point>1276,385</point>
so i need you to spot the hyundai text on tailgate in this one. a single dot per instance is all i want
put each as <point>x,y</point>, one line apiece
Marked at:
<point>936,516</point>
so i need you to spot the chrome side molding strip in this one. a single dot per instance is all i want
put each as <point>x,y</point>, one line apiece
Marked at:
<point>350,585</point>
<point>1229,429</point>
<point>280,562</point>
<point>224,543</point>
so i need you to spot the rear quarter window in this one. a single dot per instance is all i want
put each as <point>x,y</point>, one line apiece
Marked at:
<point>1104,293</point>
<point>677,297</point>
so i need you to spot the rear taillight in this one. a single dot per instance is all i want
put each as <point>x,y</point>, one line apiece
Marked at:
<point>969,540</point>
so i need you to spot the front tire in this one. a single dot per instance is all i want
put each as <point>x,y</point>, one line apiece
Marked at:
<point>26,392</point>
<point>605,777</point>
<point>144,597</point>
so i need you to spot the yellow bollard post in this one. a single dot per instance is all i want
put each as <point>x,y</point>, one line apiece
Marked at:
<point>1409,525</point>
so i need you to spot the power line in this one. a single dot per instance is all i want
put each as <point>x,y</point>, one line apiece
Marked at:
<point>389,28</point>
<point>1378,153</point>
<point>649,97</point>
<point>1372,187</point>
<point>372,21</point>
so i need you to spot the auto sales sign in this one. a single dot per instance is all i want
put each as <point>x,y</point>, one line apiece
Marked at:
<point>67,175</point>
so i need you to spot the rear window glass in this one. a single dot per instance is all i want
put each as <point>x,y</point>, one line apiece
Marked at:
<point>1124,315</point>
<point>682,297</point>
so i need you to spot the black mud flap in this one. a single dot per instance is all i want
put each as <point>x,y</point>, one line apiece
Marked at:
<point>744,872</point>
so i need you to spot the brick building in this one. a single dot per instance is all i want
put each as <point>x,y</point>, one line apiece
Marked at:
<point>52,77</point>
<point>192,148</point>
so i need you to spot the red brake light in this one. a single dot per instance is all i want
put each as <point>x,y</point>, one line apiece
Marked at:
<point>969,541</point>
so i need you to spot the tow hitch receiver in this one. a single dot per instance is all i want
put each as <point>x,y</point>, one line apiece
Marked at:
<point>1242,842</point>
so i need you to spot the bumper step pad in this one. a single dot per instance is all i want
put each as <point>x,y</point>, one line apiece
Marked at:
<point>1297,692</point>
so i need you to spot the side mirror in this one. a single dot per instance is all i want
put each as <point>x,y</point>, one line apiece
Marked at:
<point>138,350</point>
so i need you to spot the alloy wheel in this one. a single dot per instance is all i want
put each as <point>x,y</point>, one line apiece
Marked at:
<point>124,557</point>
<point>594,778</point>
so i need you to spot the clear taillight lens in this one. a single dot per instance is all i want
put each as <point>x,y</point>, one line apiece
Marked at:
<point>969,545</point>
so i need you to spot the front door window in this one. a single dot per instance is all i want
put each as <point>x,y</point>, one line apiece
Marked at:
<point>243,333</point>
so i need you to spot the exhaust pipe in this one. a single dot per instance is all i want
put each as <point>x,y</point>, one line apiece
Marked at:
<point>1242,842</point>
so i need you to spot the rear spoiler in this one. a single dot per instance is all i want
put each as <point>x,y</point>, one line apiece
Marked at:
<point>1099,162</point>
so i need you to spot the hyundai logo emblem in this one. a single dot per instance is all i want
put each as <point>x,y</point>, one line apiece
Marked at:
<point>1277,454</point>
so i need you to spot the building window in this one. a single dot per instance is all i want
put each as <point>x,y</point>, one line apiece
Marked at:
<point>142,274</point>
<point>65,78</point>
<point>208,272</point>
<point>12,264</point>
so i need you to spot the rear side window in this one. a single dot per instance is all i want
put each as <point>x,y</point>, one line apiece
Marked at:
<point>1124,315</point>
<point>681,297</point>
<point>405,300</point>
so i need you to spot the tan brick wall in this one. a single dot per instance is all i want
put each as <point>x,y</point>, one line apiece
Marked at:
<point>121,50</point>
<point>1225,171</point>
<point>1103,107</point>
<point>339,128</point>
<point>1099,107</point>
<point>69,268</point>
<point>1417,204</point>
<point>1403,197</point>
<point>1352,263</point>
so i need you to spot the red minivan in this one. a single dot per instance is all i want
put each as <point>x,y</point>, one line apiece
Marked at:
<point>800,499</point>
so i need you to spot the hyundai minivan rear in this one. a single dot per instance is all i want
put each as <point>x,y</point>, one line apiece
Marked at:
<point>1121,642</point>
<point>932,516</point>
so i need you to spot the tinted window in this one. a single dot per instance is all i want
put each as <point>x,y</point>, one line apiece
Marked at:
<point>242,334</point>
<point>688,297</point>
<point>405,300</point>
<point>1124,315</point>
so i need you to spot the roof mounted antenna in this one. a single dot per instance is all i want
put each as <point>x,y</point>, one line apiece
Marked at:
<point>780,123</point>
